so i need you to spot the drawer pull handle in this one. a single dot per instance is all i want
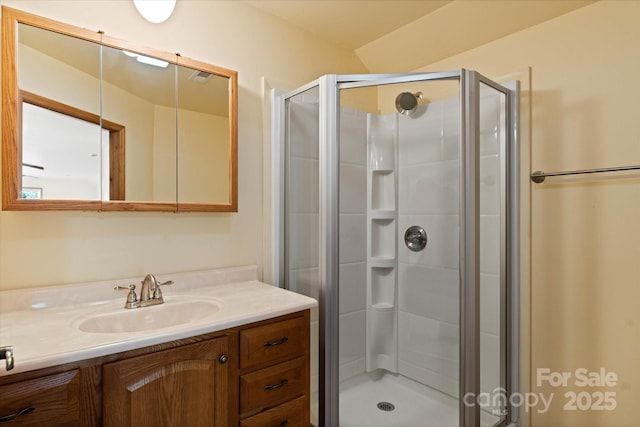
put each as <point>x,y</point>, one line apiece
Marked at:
<point>276,342</point>
<point>275,386</point>
<point>285,423</point>
<point>25,411</point>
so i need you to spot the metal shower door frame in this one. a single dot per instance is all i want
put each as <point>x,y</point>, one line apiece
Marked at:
<point>470,83</point>
<point>329,160</point>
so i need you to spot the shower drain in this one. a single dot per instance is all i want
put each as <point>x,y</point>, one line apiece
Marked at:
<point>386,406</point>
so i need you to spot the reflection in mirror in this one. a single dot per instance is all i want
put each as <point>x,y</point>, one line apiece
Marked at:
<point>61,152</point>
<point>138,92</point>
<point>72,176</point>
<point>62,138</point>
<point>203,136</point>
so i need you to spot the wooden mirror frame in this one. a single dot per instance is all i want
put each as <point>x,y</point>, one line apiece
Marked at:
<point>12,128</point>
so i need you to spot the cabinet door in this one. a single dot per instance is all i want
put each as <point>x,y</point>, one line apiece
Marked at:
<point>183,386</point>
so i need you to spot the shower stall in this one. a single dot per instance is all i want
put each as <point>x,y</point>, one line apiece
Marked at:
<point>399,215</point>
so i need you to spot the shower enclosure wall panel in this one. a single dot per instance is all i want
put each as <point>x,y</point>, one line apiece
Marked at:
<point>429,279</point>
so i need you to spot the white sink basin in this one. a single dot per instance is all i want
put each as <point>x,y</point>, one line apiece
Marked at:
<point>171,313</point>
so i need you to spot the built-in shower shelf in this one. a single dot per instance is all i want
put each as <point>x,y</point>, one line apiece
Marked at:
<point>382,262</point>
<point>383,237</point>
<point>382,231</point>
<point>382,306</point>
<point>382,196</point>
<point>382,214</point>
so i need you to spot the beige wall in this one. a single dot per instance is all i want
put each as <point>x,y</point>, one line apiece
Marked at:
<point>45,248</point>
<point>585,232</point>
<point>164,153</point>
<point>203,155</point>
<point>137,115</point>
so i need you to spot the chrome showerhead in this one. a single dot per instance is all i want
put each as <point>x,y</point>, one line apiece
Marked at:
<point>407,102</point>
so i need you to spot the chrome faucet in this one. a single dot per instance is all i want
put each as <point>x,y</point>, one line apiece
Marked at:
<point>149,285</point>
<point>150,293</point>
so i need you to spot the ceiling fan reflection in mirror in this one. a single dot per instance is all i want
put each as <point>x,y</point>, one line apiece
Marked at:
<point>29,165</point>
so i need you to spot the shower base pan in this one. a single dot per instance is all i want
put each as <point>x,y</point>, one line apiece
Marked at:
<point>389,400</point>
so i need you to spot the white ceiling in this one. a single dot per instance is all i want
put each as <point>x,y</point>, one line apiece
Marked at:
<point>403,35</point>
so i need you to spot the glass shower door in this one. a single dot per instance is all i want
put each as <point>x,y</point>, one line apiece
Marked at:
<point>302,211</point>
<point>493,186</point>
<point>399,253</point>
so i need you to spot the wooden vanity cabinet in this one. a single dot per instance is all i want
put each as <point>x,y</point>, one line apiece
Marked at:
<point>185,386</point>
<point>255,375</point>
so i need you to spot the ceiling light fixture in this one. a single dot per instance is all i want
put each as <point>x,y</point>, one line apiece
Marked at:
<point>155,11</point>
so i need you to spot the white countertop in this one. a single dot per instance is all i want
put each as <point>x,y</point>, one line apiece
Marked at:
<point>42,324</point>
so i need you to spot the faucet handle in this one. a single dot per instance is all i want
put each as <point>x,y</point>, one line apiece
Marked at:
<point>157,293</point>
<point>132,297</point>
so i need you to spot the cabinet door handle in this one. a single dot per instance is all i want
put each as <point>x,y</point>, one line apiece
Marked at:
<point>275,386</point>
<point>24,411</point>
<point>223,359</point>
<point>276,342</point>
<point>285,423</point>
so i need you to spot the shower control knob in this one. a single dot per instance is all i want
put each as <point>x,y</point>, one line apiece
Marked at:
<point>415,238</point>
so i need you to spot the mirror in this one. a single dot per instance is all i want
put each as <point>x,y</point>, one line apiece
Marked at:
<point>201,125</point>
<point>94,123</point>
<point>142,98</point>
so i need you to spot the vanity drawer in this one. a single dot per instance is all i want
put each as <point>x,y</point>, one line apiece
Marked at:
<point>271,386</point>
<point>273,342</point>
<point>290,414</point>
<point>55,400</point>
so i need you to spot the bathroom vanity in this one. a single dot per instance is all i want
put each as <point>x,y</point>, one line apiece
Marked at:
<point>246,364</point>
